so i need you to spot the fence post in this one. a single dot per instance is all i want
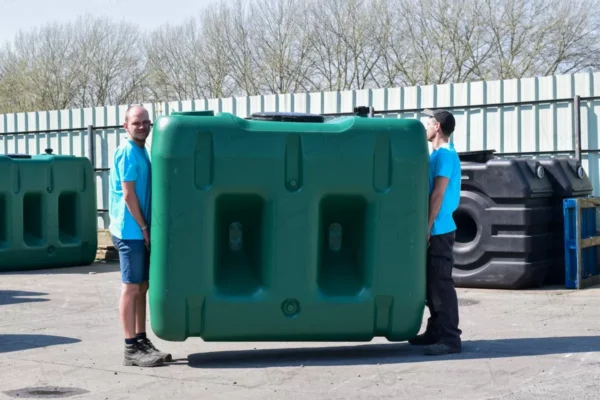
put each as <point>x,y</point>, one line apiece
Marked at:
<point>92,144</point>
<point>577,126</point>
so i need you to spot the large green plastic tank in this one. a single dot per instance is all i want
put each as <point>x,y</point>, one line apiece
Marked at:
<point>288,228</point>
<point>47,212</point>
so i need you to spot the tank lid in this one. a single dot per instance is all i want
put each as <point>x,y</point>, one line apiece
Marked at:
<point>18,155</point>
<point>287,117</point>
<point>207,113</point>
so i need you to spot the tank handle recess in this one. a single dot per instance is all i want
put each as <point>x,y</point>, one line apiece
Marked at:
<point>287,117</point>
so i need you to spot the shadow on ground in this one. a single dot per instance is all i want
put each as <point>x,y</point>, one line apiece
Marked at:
<point>17,342</point>
<point>96,268</point>
<point>19,296</point>
<point>391,353</point>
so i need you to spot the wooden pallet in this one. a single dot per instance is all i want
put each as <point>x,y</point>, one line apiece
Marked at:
<point>106,251</point>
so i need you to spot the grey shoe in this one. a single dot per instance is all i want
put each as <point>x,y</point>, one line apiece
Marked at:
<point>147,345</point>
<point>135,354</point>
<point>440,349</point>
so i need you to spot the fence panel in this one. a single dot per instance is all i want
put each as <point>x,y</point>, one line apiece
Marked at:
<point>527,116</point>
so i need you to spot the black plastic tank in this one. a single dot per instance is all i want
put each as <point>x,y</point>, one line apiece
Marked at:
<point>479,156</point>
<point>568,179</point>
<point>504,225</point>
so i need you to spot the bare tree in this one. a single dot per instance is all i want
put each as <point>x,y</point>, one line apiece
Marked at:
<point>111,67</point>
<point>89,62</point>
<point>281,44</point>
<point>239,50</point>
<point>214,61</point>
<point>14,95</point>
<point>541,37</point>
<point>337,36</point>
<point>172,62</point>
<point>47,56</point>
<point>574,41</point>
<point>394,49</point>
<point>252,47</point>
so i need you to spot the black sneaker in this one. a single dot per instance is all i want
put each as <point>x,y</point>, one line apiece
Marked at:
<point>424,339</point>
<point>135,354</point>
<point>440,349</point>
<point>147,345</point>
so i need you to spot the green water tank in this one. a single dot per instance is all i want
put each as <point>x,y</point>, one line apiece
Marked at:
<point>47,212</point>
<point>288,227</point>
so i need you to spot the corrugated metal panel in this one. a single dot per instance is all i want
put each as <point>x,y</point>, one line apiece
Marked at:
<point>513,128</point>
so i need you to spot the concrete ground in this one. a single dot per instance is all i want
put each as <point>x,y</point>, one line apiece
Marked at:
<point>60,336</point>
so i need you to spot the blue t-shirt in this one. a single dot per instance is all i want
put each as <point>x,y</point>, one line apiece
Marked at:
<point>131,164</point>
<point>445,162</point>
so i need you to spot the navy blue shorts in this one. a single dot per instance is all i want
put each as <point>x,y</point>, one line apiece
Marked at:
<point>134,259</point>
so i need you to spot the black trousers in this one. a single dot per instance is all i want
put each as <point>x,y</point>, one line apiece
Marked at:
<point>441,294</point>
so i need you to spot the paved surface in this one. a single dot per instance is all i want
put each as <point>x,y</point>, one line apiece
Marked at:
<point>60,329</point>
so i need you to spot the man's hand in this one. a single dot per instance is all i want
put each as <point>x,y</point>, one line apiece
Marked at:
<point>146,234</point>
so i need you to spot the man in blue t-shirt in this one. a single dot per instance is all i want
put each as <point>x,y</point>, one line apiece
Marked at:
<point>442,335</point>
<point>130,205</point>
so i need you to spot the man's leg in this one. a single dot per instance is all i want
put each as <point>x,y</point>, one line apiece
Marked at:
<point>432,320</point>
<point>140,316</point>
<point>127,304</point>
<point>129,291</point>
<point>131,261</point>
<point>444,300</point>
<point>431,335</point>
<point>140,309</point>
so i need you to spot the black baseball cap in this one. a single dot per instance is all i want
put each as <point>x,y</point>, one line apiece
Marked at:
<point>444,117</point>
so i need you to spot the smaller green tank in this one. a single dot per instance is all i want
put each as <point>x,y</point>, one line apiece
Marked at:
<point>47,212</point>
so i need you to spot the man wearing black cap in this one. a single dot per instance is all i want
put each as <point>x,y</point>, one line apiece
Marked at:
<point>442,335</point>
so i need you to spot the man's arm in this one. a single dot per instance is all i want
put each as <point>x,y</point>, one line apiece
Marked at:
<point>132,202</point>
<point>128,175</point>
<point>435,200</point>
<point>442,171</point>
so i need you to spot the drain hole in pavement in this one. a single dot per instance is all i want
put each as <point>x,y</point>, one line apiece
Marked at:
<point>49,392</point>
<point>467,302</point>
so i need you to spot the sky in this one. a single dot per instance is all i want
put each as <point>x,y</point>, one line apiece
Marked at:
<point>26,14</point>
